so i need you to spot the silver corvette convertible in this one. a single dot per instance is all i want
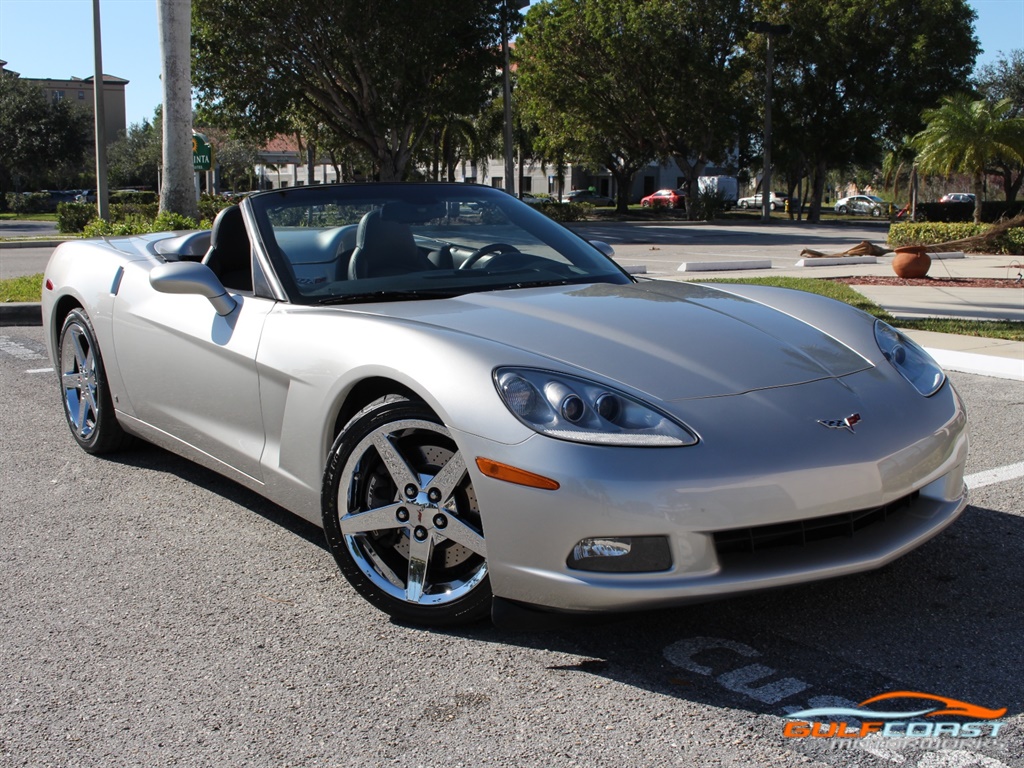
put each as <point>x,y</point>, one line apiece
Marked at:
<point>484,412</point>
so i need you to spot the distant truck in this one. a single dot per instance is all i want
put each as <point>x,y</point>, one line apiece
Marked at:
<point>725,186</point>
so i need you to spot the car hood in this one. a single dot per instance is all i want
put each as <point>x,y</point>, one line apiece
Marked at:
<point>672,341</point>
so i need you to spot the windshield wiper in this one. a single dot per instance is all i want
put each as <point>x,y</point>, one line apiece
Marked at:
<point>385,295</point>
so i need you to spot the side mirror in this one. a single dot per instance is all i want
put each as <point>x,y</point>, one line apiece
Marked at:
<point>603,247</point>
<point>190,277</point>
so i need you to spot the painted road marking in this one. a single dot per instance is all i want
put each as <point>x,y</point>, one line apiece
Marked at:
<point>40,370</point>
<point>997,475</point>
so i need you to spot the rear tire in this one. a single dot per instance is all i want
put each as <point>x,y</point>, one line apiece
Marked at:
<point>88,407</point>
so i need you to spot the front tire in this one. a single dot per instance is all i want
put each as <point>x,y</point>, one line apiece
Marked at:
<point>88,407</point>
<point>841,210</point>
<point>402,518</point>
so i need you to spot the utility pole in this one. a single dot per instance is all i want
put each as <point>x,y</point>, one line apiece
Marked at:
<point>102,193</point>
<point>507,6</point>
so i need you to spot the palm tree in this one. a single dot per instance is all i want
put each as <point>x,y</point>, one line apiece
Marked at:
<point>177,191</point>
<point>896,165</point>
<point>963,135</point>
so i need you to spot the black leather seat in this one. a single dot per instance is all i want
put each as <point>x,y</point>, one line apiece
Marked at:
<point>385,247</point>
<point>230,255</point>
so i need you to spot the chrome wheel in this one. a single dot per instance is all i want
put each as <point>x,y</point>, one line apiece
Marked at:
<point>88,408</point>
<point>403,519</point>
<point>78,380</point>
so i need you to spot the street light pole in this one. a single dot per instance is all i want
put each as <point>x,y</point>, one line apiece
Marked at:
<point>102,198</point>
<point>770,30</point>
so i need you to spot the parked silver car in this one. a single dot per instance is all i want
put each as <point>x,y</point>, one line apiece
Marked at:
<point>484,412</point>
<point>864,204</point>
<point>776,201</point>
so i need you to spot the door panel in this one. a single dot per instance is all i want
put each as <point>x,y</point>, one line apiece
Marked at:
<point>191,372</point>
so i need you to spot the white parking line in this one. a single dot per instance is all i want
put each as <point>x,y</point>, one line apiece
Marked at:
<point>40,370</point>
<point>997,475</point>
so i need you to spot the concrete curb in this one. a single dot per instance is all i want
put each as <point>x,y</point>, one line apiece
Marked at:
<point>982,365</point>
<point>722,266</point>
<point>32,243</point>
<point>21,313</point>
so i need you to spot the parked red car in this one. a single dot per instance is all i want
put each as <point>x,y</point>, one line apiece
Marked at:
<point>673,198</point>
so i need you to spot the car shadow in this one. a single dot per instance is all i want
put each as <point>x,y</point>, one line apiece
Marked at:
<point>151,457</point>
<point>945,619</point>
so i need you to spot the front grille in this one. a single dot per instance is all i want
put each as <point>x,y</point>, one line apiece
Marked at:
<point>762,538</point>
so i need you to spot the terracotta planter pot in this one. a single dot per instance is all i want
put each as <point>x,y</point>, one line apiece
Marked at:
<point>911,261</point>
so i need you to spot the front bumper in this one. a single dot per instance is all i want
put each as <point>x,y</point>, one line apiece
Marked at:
<point>761,462</point>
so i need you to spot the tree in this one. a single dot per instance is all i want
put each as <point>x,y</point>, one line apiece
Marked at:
<point>1005,80</point>
<point>36,136</point>
<point>963,136</point>
<point>621,82</point>
<point>177,188</point>
<point>133,159</point>
<point>855,75</point>
<point>374,73</point>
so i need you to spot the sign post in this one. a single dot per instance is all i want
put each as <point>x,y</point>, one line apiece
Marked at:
<point>202,157</point>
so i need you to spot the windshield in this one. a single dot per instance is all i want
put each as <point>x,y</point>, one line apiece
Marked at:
<point>380,242</point>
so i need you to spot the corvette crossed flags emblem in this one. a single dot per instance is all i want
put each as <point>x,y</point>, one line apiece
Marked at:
<point>847,423</point>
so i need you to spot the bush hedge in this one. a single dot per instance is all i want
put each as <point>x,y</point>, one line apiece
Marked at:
<point>72,217</point>
<point>31,202</point>
<point>933,232</point>
<point>565,212</point>
<point>134,213</point>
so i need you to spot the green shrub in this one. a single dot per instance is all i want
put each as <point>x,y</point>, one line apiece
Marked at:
<point>933,232</point>
<point>72,217</point>
<point>168,222</point>
<point>29,202</point>
<point>211,205</point>
<point>1014,241</point>
<point>132,225</point>
<point>709,205</point>
<point>565,212</point>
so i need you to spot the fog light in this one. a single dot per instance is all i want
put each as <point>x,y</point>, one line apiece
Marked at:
<point>601,548</point>
<point>633,554</point>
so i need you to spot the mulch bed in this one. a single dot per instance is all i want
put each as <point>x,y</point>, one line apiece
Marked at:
<point>934,282</point>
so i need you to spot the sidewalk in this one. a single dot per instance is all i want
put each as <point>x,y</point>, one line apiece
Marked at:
<point>966,354</point>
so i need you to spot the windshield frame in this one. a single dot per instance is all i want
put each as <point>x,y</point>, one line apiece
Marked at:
<point>584,263</point>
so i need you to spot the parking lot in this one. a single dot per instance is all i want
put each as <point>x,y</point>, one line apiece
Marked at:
<point>156,614</point>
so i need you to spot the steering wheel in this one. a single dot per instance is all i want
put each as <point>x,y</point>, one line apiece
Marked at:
<point>479,253</point>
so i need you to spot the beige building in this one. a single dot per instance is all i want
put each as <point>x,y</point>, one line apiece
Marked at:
<point>79,91</point>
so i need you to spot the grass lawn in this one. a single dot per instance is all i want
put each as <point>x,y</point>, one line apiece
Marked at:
<point>29,289</point>
<point>28,217</point>
<point>990,329</point>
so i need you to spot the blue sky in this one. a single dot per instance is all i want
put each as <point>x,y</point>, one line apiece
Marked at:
<point>53,39</point>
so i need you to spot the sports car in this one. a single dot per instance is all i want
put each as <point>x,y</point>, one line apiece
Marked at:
<point>486,414</point>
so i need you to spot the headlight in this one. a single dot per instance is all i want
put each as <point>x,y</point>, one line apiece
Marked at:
<point>570,408</point>
<point>913,363</point>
